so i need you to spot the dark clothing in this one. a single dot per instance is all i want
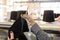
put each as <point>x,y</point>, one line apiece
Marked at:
<point>40,34</point>
<point>18,28</point>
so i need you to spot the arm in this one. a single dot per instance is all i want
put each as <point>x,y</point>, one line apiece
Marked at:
<point>40,34</point>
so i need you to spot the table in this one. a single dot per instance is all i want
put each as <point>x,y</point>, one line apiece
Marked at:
<point>45,26</point>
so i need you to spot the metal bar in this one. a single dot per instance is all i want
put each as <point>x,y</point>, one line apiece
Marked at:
<point>34,1</point>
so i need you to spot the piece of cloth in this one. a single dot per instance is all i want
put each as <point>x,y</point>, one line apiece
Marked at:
<point>40,34</point>
<point>18,28</point>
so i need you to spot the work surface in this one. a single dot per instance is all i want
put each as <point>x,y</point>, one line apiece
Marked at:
<point>5,25</point>
<point>45,26</point>
<point>49,26</point>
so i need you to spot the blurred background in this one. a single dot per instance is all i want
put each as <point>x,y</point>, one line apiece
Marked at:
<point>38,9</point>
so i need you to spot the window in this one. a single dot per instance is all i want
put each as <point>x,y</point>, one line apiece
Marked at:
<point>50,6</point>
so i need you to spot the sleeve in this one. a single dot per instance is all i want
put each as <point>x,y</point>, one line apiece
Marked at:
<point>13,27</point>
<point>17,23</point>
<point>40,34</point>
<point>25,26</point>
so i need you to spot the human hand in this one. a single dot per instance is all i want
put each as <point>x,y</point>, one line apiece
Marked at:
<point>11,36</point>
<point>29,18</point>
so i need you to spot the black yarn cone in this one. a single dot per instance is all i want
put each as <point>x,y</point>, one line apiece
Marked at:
<point>48,16</point>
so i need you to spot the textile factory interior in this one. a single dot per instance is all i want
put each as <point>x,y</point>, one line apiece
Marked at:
<point>46,13</point>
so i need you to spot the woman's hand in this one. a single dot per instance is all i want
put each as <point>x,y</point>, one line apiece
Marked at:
<point>29,18</point>
<point>11,36</point>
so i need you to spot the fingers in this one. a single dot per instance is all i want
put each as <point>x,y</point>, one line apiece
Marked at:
<point>29,18</point>
<point>25,16</point>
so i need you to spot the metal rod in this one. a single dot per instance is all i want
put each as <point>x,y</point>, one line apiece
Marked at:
<point>33,1</point>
